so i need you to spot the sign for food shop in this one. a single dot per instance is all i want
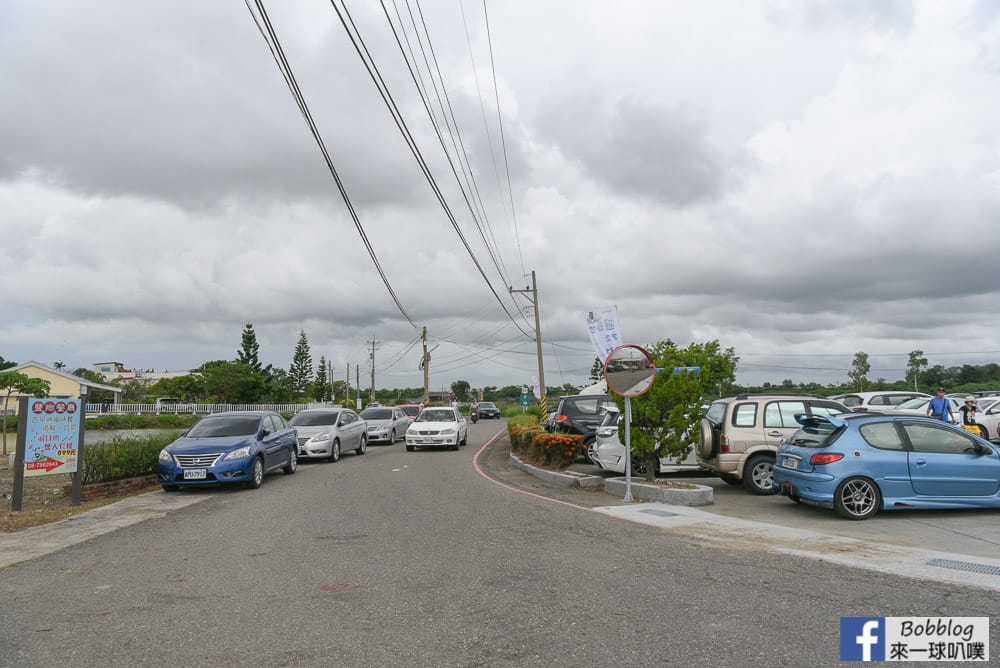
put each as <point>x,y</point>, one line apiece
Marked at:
<point>52,436</point>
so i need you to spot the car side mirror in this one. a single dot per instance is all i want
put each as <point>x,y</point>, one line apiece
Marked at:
<point>264,433</point>
<point>982,449</point>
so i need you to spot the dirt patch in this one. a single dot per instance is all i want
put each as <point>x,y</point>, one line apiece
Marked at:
<point>45,499</point>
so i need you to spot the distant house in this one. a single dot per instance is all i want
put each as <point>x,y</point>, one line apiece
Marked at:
<point>62,385</point>
<point>117,371</point>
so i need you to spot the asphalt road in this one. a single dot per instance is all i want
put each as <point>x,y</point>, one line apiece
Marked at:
<point>416,559</point>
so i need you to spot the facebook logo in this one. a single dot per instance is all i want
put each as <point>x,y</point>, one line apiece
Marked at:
<point>862,638</point>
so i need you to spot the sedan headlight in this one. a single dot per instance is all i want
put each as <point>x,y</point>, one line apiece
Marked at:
<point>166,457</point>
<point>448,430</point>
<point>238,453</point>
<point>319,438</point>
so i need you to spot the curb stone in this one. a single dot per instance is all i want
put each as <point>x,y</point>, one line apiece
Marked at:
<point>702,495</point>
<point>568,479</point>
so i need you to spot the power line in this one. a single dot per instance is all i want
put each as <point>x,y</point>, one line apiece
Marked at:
<point>503,140</point>
<point>369,63</point>
<point>274,46</point>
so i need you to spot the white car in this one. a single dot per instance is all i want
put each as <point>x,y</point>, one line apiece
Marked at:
<point>327,432</point>
<point>988,417</point>
<point>918,406</point>
<point>880,401</point>
<point>437,426</point>
<point>385,423</point>
<point>608,452</point>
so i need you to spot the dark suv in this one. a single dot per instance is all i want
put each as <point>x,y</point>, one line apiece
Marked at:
<point>488,410</point>
<point>580,414</point>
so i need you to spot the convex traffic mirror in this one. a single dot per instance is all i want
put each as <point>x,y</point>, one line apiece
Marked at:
<point>629,371</point>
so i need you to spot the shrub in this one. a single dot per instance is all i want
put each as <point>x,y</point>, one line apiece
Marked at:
<point>130,421</point>
<point>529,441</point>
<point>123,457</point>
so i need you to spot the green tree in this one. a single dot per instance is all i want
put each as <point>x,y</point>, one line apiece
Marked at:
<point>597,371</point>
<point>914,366</point>
<point>190,387</point>
<point>461,389</point>
<point>232,382</point>
<point>11,382</point>
<point>301,371</point>
<point>664,418</point>
<point>94,396</point>
<point>859,371</point>
<point>321,386</point>
<point>278,386</point>
<point>133,391</point>
<point>4,364</point>
<point>59,364</point>
<point>249,352</point>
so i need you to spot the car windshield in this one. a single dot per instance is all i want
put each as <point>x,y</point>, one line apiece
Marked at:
<point>816,434</point>
<point>610,419</point>
<point>318,419</point>
<point>487,404</point>
<point>377,414</point>
<point>411,410</point>
<point>919,402</point>
<point>431,415</point>
<point>221,426</point>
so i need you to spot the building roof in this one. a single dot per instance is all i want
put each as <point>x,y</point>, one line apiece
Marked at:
<point>60,372</point>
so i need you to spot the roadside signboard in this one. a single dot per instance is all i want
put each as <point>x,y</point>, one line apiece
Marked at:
<point>52,436</point>
<point>525,399</point>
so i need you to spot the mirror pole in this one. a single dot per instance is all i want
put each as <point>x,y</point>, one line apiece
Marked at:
<point>628,450</point>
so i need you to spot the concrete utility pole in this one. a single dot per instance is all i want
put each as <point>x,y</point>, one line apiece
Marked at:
<point>357,379</point>
<point>373,343</point>
<point>425,363</point>
<point>347,387</point>
<point>538,341</point>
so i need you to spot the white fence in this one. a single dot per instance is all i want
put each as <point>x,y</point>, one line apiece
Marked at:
<point>188,409</point>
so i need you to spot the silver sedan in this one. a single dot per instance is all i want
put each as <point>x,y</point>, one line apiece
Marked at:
<point>327,432</point>
<point>385,424</point>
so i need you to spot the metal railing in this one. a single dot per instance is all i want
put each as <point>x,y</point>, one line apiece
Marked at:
<point>189,409</point>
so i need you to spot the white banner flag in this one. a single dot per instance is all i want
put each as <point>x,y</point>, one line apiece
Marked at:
<point>604,332</point>
<point>537,388</point>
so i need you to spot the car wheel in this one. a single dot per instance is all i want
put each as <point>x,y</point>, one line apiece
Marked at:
<point>170,488</point>
<point>410,448</point>
<point>392,437</point>
<point>256,473</point>
<point>705,440</point>
<point>984,433</point>
<point>592,454</point>
<point>857,499</point>
<point>454,446</point>
<point>759,474</point>
<point>293,462</point>
<point>465,440</point>
<point>334,451</point>
<point>730,479</point>
<point>363,448</point>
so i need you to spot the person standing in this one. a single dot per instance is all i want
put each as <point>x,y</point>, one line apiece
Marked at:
<point>939,407</point>
<point>968,411</point>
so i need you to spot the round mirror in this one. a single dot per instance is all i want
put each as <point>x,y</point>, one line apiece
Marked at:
<point>629,371</point>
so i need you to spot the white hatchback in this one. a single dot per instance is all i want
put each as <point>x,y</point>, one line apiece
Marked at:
<point>437,426</point>
<point>608,451</point>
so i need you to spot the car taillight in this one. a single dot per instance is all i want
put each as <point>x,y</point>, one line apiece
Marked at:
<point>723,443</point>
<point>825,458</point>
<point>860,409</point>
<point>562,418</point>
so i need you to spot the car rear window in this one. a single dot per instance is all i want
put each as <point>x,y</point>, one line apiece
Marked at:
<point>782,413</point>
<point>716,412</point>
<point>745,415</point>
<point>585,406</point>
<point>411,410</point>
<point>377,414</point>
<point>882,435</point>
<point>816,435</point>
<point>850,401</point>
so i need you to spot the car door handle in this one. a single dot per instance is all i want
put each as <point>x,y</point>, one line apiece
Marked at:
<point>775,434</point>
<point>921,462</point>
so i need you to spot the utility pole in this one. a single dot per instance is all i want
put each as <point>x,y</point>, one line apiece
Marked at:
<point>357,378</point>
<point>538,341</point>
<point>373,343</point>
<point>425,363</point>
<point>347,387</point>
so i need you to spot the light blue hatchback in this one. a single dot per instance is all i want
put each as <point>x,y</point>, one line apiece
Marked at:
<point>860,464</point>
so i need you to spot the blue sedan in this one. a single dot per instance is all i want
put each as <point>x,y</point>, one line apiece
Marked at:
<point>860,464</point>
<point>229,448</point>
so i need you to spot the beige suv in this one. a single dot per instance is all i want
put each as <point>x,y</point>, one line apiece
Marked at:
<point>740,435</point>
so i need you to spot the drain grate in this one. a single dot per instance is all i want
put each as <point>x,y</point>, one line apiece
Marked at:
<point>658,513</point>
<point>971,567</point>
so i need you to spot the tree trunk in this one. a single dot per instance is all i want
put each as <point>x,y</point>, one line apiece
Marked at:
<point>650,467</point>
<point>4,418</point>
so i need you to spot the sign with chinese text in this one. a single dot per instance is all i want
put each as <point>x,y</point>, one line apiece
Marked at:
<point>605,334</point>
<point>52,436</point>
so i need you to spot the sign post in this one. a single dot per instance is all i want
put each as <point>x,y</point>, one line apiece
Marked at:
<point>49,441</point>
<point>629,372</point>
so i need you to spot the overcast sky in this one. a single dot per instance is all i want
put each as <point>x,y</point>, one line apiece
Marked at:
<point>801,180</point>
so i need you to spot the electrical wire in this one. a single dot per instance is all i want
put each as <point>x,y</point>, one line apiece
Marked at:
<point>503,140</point>
<point>274,46</point>
<point>376,76</point>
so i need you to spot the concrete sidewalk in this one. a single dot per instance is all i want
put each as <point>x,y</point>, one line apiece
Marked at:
<point>41,540</point>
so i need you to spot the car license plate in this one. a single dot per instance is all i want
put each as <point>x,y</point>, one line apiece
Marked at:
<point>791,463</point>
<point>194,474</point>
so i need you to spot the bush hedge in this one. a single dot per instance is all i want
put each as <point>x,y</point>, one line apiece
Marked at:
<point>131,421</point>
<point>123,457</point>
<point>532,443</point>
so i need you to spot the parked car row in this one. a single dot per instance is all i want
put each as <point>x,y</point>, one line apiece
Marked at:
<point>241,447</point>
